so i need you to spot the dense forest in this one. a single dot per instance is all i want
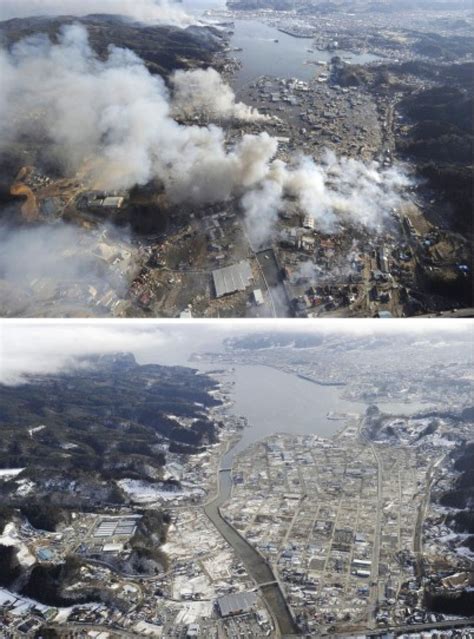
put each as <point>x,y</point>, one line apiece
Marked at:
<point>109,419</point>
<point>461,496</point>
<point>441,142</point>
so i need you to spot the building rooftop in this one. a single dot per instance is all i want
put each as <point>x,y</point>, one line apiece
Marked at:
<point>236,603</point>
<point>232,278</point>
<point>113,202</point>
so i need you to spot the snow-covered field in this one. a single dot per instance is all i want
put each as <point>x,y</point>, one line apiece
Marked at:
<point>142,492</point>
<point>10,537</point>
<point>9,473</point>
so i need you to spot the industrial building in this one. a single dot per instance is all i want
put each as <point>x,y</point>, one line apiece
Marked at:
<point>231,279</point>
<point>102,200</point>
<point>236,604</point>
<point>116,526</point>
<point>113,202</point>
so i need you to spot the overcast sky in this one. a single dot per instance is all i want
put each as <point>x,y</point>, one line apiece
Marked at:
<point>166,11</point>
<point>45,346</point>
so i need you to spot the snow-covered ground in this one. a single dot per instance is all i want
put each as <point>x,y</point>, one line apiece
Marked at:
<point>410,432</point>
<point>9,473</point>
<point>25,487</point>
<point>10,537</point>
<point>193,611</point>
<point>36,429</point>
<point>142,492</point>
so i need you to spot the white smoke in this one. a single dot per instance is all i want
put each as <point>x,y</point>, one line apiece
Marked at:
<point>61,270</point>
<point>153,11</point>
<point>262,205</point>
<point>204,92</point>
<point>113,118</point>
<point>336,192</point>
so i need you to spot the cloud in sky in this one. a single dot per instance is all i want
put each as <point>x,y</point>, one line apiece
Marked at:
<point>154,11</point>
<point>50,346</point>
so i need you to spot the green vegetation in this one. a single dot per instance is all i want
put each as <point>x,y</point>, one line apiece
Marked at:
<point>6,515</point>
<point>450,603</point>
<point>150,535</point>
<point>462,495</point>
<point>442,142</point>
<point>44,516</point>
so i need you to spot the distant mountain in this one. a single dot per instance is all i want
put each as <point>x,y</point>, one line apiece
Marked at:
<point>259,341</point>
<point>162,47</point>
<point>289,339</point>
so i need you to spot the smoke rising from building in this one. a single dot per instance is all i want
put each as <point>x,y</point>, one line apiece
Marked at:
<point>261,206</point>
<point>154,11</point>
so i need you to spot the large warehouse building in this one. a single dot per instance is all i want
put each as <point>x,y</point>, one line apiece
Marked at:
<point>236,604</point>
<point>233,278</point>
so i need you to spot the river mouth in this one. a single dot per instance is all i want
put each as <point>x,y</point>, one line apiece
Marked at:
<point>273,401</point>
<point>263,50</point>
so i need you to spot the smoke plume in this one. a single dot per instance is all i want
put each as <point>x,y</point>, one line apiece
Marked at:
<point>61,270</point>
<point>113,119</point>
<point>261,206</point>
<point>204,92</point>
<point>334,193</point>
<point>154,11</point>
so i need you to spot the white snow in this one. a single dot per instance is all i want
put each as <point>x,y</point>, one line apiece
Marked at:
<point>37,429</point>
<point>7,473</point>
<point>143,492</point>
<point>25,487</point>
<point>193,611</point>
<point>10,538</point>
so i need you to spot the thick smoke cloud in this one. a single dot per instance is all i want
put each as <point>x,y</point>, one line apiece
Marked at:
<point>335,192</point>
<point>204,92</point>
<point>117,116</point>
<point>115,121</point>
<point>261,206</point>
<point>155,11</point>
<point>61,269</point>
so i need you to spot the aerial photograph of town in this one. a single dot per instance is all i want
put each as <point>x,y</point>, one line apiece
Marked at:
<point>237,480</point>
<point>248,158</point>
<point>236,319</point>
